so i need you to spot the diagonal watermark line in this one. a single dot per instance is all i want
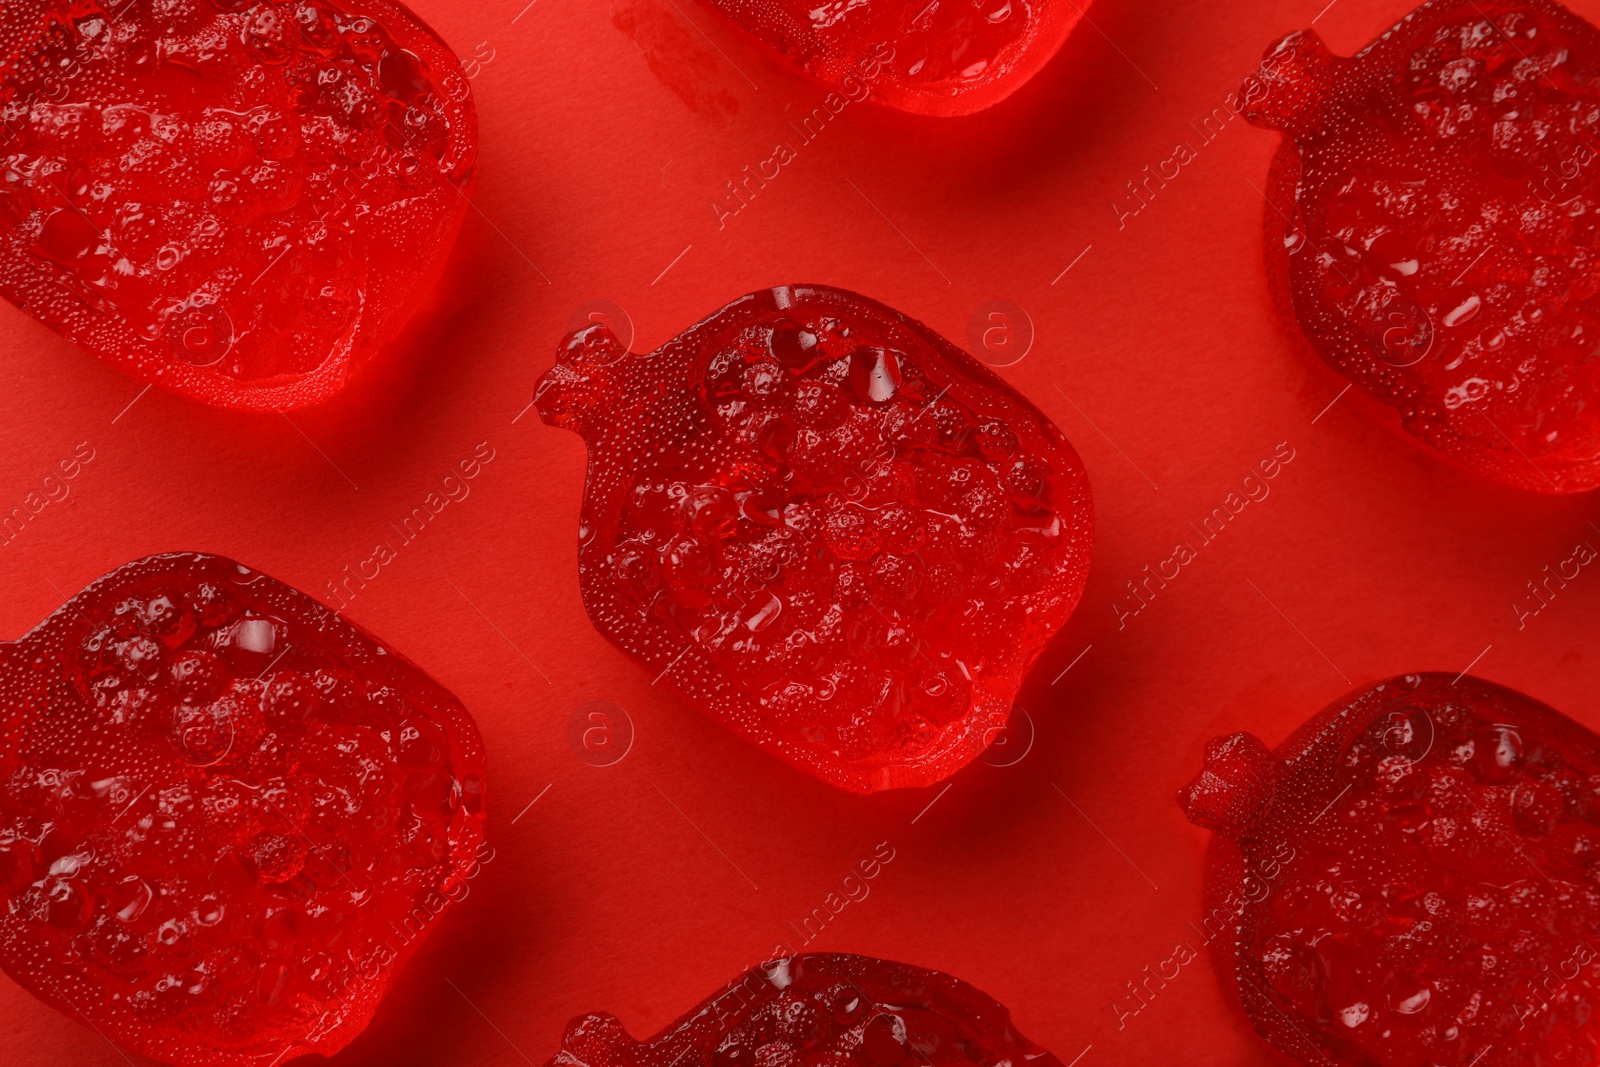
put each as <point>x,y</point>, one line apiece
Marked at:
<point>73,1005</point>
<point>1074,663</point>
<point>128,806</point>
<point>1102,433</point>
<point>362,896</point>
<point>1080,1056</point>
<point>514,247</point>
<point>63,598</point>
<point>1102,833</point>
<point>929,405</point>
<point>1332,402</point>
<point>1113,44</point>
<point>1505,837</point>
<point>1299,631</point>
<point>132,402</point>
<point>673,664</point>
<point>713,44</point>
<point>932,802</point>
<point>262,672</point>
<point>531,803</point>
<point>1337,267</point>
<point>1469,266</point>
<point>702,833</point>
<point>490,1021</point>
<point>268,268</point>
<point>1286,1017</point>
<point>1074,263</point>
<point>1518,448</point>
<point>1473,664</point>
<point>1332,802</point>
<point>499,631</point>
<point>320,452</point>
<point>524,11</point>
<point>899,231</point>
<point>674,263</point>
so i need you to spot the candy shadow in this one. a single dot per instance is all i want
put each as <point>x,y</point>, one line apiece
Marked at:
<point>1019,148</point>
<point>424,1015</point>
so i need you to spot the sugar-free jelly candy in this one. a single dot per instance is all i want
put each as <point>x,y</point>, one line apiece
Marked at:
<point>238,201</point>
<point>1412,879</point>
<point>227,816</point>
<point>824,1009</point>
<point>1433,227</point>
<point>829,528</point>
<point>944,57</point>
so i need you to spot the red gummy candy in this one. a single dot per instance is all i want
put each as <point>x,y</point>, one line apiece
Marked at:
<point>239,201</point>
<point>832,530</point>
<point>934,57</point>
<point>227,816</point>
<point>1412,879</point>
<point>1433,227</point>
<point>826,1010</point>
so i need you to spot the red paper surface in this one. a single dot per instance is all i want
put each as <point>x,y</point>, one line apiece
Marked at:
<point>609,128</point>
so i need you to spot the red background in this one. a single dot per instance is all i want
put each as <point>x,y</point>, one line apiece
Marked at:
<point>607,129</point>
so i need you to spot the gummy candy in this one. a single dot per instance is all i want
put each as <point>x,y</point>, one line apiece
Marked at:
<point>832,530</point>
<point>1412,879</point>
<point>1433,227</point>
<point>238,201</point>
<point>227,816</point>
<point>934,57</point>
<point>824,1009</point>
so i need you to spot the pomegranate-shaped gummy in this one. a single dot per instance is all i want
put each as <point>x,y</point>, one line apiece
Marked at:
<point>227,816</point>
<point>944,57</point>
<point>238,201</point>
<point>833,531</point>
<point>825,1009</point>
<point>1433,227</point>
<point>1411,880</point>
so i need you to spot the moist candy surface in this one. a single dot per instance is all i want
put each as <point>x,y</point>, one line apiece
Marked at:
<point>1412,879</point>
<point>238,201</point>
<point>947,57</point>
<point>830,529</point>
<point>227,816</point>
<point>819,1011</point>
<point>1433,227</point>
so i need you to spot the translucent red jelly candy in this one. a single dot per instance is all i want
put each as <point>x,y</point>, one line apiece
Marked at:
<point>238,201</point>
<point>1413,878</point>
<point>944,57</point>
<point>829,528</point>
<point>829,1010</point>
<point>227,816</point>
<point>1433,227</point>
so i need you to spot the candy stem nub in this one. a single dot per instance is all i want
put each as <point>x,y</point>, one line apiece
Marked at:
<point>1233,787</point>
<point>1288,90</point>
<point>582,378</point>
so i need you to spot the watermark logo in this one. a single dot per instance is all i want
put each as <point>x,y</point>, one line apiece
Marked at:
<point>600,733</point>
<point>1011,744</point>
<point>1000,333</point>
<point>604,313</point>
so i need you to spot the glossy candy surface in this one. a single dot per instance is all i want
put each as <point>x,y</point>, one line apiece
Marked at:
<point>1433,226</point>
<point>238,201</point>
<point>833,1010</point>
<point>833,531</point>
<point>947,57</point>
<point>227,816</point>
<point>1412,879</point>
